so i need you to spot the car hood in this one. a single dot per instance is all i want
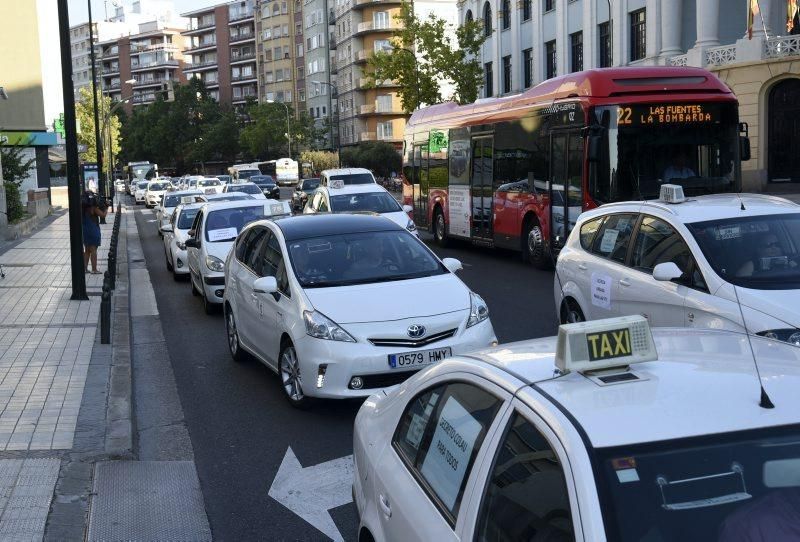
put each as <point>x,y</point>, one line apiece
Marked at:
<point>384,301</point>
<point>782,305</point>
<point>219,249</point>
<point>399,218</point>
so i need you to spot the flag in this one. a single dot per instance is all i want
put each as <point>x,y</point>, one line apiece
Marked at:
<point>752,11</point>
<point>791,12</point>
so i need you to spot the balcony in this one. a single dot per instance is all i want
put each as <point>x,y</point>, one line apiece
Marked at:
<point>369,26</point>
<point>241,16</point>
<point>200,25</point>
<point>743,51</point>
<point>243,78</point>
<point>243,97</point>
<point>242,58</point>
<point>113,86</point>
<point>373,109</point>
<point>155,64</point>
<point>363,55</point>
<point>242,37</point>
<point>149,82</point>
<point>197,66</point>
<point>154,47</point>
<point>361,4</point>
<point>196,48</point>
<point>113,52</point>
<point>110,70</point>
<point>144,98</point>
<point>364,83</point>
<point>368,136</point>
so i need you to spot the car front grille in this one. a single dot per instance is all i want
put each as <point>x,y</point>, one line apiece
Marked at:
<point>414,343</point>
<point>384,380</point>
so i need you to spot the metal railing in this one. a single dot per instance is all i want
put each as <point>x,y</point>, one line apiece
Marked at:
<point>782,46</point>
<point>720,56</point>
<point>680,60</point>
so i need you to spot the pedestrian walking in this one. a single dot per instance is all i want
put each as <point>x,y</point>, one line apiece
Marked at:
<point>92,212</point>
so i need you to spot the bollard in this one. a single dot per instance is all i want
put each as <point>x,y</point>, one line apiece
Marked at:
<point>105,317</point>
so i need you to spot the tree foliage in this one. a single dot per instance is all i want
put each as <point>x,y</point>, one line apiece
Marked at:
<point>378,156</point>
<point>264,135</point>
<point>84,113</point>
<point>320,160</point>
<point>15,167</point>
<point>444,55</point>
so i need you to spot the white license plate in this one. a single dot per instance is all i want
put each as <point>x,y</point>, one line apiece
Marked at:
<point>420,358</point>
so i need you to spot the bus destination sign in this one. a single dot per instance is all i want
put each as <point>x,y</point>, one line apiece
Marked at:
<point>667,114</point>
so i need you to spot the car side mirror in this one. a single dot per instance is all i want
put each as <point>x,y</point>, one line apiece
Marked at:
<point>166,228</point>
<point>191,233</point>
<point>191,242</point>
<point>265,285</point>
<point>408,209</point>
<point>452,264</point>
<point>667,271</point>
<point>744,148</point>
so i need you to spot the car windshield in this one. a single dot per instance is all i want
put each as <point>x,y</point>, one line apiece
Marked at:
<point>225,224</point>
<point>142,185</point>
<point>244,188</point>
<point>309,185</point>
<point>172,200</point>
<point>736,486</point>
<point>208,182</point>
<point>247,173</point>
<point>376,202</point>
<point>262,179</point>
<point>361,258</point>
<point>761,252</point>
<point>353,178</point>
<point>156,187</point>
<point>224,178</point>
<point>186,218</point>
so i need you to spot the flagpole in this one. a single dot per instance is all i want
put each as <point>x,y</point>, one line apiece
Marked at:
<point>763,24</point>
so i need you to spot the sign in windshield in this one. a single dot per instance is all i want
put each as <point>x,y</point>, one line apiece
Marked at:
<point>225,224</point>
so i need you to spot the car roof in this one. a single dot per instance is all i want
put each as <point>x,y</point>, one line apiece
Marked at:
<point>354,189</point>
<point>703,383</point>
<point>346,171</point>
<point>703,208</point>
<point>224,196</point>
<point>183,206</point>
<point>307,226</point>
<point>217,205</point>
<point>185,193</point>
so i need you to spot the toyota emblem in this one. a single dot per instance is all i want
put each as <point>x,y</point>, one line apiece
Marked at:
<point>415,331</point>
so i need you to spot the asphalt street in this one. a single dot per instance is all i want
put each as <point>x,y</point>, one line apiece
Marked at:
<point>241,426</point>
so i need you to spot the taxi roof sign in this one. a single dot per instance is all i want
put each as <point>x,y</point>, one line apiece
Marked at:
<point>604,344</point>
<point>336,184</point>
<point>187,199</point>
<point>277,208</point>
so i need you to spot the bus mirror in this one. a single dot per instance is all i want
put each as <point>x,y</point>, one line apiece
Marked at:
<point>594,147</point>
<point>744,148</point>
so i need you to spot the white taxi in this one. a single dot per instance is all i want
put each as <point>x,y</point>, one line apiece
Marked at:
<point>139,193</point>
<point>175,233</point>
<point>210,185</point>
<point>341,305</point>
<point>155,191</point>
<point>350,175</point>
<point>697,262</point>
<point>337,197</point>
<point>251,189</point>
<point>210,239</point>
<point>608,432</point>
<point>170,201</point>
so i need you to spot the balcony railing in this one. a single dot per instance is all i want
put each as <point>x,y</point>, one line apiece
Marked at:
<point>363,55</point>
<point>368,136</point>
<point>198,65</point>
<point>680,60</point>
<point>360,4</point>
<point>375,109</point>
<point>370,26</point>
<point>239,58</point>
<point>148,82</point>
<point>109,69</point>
<point>242,77</point>
<point>154,47</point>
<point>202,45</point>
<point>242,37</point>
<point>782,46</point>
<point>199,25</point>
<point>113,86</point>
<point>720,56</point>
<point>233,17</point>
<point>111,52</point>
<point>147,65</point>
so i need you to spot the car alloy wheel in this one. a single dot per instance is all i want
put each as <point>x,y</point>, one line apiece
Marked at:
<point>233,336</point>
<point>571,313</point>
<point>289,370</point>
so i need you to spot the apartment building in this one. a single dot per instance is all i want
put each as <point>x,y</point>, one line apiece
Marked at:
<point>533,40</point>
<point>281,52</point>
<point>319,22</point>
<point>220,43</point>
<point>149,58</point>
<point>81,48</point>
<point>362,28</point>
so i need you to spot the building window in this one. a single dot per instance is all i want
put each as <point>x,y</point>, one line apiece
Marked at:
<point>576,44</point>
<point>527,67</point>
<point>550,58</point>
<point>487,19</point>
<point>488,78</point>
<point>385,130</point>
<point>380,19</point>
<point>638,35</point>
<point>603,30</point>
<point>549,5</point>
<point>526,10</point>
<point>506,14</point>
<point>506,74</point>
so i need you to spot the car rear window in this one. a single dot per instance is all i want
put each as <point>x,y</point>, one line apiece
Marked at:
<point>354,178</point>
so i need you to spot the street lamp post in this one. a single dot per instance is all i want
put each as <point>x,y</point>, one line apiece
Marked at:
<point>288,128</point>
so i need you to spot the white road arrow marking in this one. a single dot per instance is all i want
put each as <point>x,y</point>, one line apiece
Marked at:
<point>310,492</point>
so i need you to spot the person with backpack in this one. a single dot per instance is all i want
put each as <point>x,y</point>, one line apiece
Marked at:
<point>91,214</point>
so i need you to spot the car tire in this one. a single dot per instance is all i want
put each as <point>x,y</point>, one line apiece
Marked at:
<point>533,247</point>
<point>234,345</point>
<point>175,276</point>
<point>168,260</point>
<point>208,307</point>
<point>289,373</point>
<point>571,312</point>
<point>191,283</point>
<point>439,228</point>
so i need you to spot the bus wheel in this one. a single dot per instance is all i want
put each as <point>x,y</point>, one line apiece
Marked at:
<point>534,248</point>
<point>439,228</point>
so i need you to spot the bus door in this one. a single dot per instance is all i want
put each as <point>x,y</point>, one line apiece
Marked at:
<point>481,184</point>
<point>566,184</point>
<point>419,180</point>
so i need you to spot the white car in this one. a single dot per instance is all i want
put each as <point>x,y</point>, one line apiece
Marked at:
<point>210,185</point>
<point>155,191</point>
<point>119,185</point>
<point>170,201</point>
<point>359,198</point>
<point>341,305</point>
<point>353,175</point>
<point>140,192</point>
<point>687,263</point>
<point>522,443</point>
<point>212,234</point>
<point>175,234</point>
<point>244,188</point>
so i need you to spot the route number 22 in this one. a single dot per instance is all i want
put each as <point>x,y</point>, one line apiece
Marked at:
<point>624,115</point>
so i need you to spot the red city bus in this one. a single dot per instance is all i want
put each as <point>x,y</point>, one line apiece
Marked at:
<point>515,172</point>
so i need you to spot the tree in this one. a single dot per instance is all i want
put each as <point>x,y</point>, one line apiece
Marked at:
<point>444,54</point>
<point>84,112</point>
<point>378,156</point>
<point>15,170</point>
<point>320,160</point>
<point>264,136</point>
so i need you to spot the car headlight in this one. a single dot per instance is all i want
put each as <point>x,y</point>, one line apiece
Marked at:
<point>790,335</point>
<point>215,264</point>
<point>181,245</point>
<point>321,327</point>
<point>411,226</point>
<point>478,311</point>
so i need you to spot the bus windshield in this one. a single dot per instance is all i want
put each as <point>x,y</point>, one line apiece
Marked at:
<point>647,145</point>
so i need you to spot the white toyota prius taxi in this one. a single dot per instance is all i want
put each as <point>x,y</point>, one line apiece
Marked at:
<point>210,239</point>
<point>607,432</point>
<point>341,305</point>
<point>687,262</point>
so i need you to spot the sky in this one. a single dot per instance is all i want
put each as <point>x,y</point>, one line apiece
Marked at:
<point>79,11</point>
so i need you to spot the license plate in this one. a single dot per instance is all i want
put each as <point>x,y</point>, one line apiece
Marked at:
<point>210,191</point>
<point>418,359</point>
